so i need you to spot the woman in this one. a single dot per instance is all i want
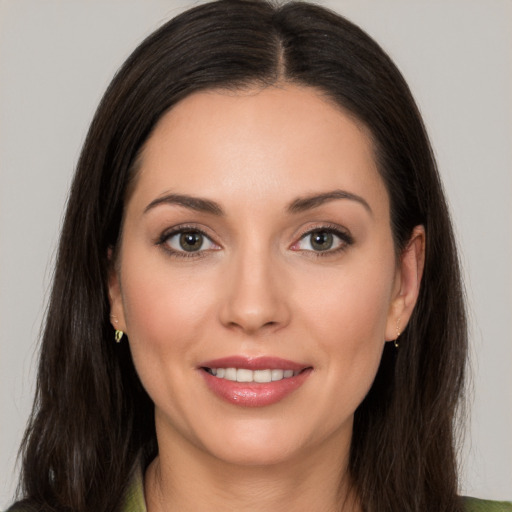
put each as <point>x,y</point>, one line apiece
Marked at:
<point>255,212</point>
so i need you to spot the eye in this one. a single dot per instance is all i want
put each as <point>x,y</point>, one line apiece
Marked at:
<point>187,241</point>
<point>323,240</point>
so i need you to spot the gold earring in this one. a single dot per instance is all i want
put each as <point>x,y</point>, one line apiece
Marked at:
<point>397,333</point>
<point>118,336</point>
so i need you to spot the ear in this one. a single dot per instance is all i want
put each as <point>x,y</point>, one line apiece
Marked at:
<point>407,285</point>
<point>115,297</point>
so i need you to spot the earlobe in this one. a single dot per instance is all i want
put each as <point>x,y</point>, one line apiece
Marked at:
<point>410,273</point>
<point>115,297</point>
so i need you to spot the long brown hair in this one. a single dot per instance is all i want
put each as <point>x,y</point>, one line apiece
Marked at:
<point>92,420</point>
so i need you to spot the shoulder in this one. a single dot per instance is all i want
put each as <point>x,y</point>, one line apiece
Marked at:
<point>476,505</point>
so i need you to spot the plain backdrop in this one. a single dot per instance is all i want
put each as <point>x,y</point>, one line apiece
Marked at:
<point>56,59</point>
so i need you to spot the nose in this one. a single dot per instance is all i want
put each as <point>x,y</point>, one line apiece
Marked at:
<point>254,294</point>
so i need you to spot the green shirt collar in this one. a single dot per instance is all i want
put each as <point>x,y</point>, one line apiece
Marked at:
<point>133,500</point>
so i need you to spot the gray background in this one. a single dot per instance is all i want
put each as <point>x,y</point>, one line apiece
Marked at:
<point>56,59</point>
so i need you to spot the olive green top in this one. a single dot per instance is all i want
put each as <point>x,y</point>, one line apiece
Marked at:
<point>134,501</point>
<point>474,505</point>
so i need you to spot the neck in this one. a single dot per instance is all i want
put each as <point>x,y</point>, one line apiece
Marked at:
<point>178,480</point>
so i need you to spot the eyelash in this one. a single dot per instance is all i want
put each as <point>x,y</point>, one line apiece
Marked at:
<point>345,238</point>
<point>167,235</point>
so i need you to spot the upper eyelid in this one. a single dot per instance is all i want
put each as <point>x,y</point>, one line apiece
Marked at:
<point>336,229</point>
<point>180,228</point>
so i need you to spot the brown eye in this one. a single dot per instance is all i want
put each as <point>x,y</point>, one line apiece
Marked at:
<point>191,241</point>
<point>188,241</point>
<point>321,240</point>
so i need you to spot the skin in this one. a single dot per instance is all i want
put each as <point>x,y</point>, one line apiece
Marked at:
<point>257,287</point>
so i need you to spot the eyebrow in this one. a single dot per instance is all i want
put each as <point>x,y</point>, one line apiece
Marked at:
<point>314,201</point>
<point>298,205</point>
<point>190,202</point>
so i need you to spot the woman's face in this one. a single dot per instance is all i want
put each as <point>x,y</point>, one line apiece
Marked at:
<point>257,244</point>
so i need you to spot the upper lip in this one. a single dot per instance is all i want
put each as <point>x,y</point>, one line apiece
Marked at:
<point>254,363</point>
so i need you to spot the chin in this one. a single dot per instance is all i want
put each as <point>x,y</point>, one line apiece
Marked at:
<point>255,456</point>
<point>252,444</point>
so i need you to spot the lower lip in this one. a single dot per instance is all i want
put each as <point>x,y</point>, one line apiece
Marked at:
<point>246,394</point>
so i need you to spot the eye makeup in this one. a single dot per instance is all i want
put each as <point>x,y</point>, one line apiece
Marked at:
<point>186,241</point>
<point>323,240</point>
<point>190,241</point>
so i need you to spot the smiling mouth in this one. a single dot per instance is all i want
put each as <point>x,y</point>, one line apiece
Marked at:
<point>254,381</point>
<point>258,376</point>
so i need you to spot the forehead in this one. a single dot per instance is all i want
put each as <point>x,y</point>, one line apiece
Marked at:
<point>256,142</point>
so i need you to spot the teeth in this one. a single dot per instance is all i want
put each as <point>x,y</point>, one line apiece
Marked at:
<point>230,374</point>
<point>277,374</point>
<point>262,376</point>
<point>245,375</point>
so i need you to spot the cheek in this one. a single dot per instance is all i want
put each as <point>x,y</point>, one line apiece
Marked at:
<point>348,319</point>
<point>352,307</point>
<point>165,313</point>
<point>158,294</point>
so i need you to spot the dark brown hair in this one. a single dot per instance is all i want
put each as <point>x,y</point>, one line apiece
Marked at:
<point>92,421</point>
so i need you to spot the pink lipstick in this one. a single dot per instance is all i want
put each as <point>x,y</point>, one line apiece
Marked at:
<point>253,382</point>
